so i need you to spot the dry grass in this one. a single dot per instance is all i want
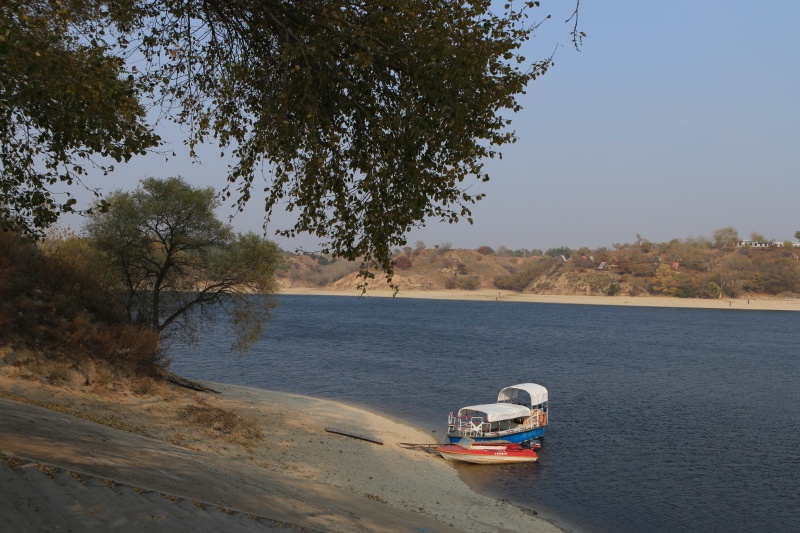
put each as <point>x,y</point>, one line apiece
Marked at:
<point>111,420</point>
<point>50,306</point>
<point>14,463</point>
<point>223,424</point>
<point>49,471</point>
<point>147,386</point>
<point>146,406</point>
<point>77,477</point>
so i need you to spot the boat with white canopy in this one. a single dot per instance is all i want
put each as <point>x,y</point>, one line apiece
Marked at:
<point>519,415</point>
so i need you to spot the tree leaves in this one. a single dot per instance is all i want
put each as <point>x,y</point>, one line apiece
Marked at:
<point>63,103</point>
<point>169,259</point>
<point>365,119</point>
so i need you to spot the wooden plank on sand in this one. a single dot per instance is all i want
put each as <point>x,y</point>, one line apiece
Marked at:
<point>353,435</point>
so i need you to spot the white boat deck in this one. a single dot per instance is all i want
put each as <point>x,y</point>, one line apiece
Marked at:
<point>476,426</point>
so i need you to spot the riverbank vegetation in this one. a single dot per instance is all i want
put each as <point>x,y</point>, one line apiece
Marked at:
<point>52,313</point>
<point>155,267</point>
<point>169,260</point>
<point>685,268</point>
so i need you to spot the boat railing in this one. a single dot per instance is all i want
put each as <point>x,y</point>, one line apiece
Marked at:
<point>468,426</point>
<point>476,426</point>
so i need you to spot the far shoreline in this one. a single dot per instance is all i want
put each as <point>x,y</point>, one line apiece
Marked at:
<point>748,304</point>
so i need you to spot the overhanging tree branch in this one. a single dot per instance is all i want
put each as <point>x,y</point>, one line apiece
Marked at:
<point>371,117</point>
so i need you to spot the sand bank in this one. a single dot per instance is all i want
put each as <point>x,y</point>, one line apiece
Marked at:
<point>402,478</point>
<point>296,473</point>
<point>752,304</point>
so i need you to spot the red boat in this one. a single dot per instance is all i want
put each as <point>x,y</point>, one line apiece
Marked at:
<point>485,453</point>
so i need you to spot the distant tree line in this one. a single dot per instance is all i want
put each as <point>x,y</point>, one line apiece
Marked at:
<point>695,267</point>
<point>689,268</point>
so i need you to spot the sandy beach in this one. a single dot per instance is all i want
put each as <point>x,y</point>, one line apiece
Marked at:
<point>752,304</point>
<point>336,483</point>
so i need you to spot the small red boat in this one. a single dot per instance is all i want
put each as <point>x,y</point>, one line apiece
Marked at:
<point>486,453</point>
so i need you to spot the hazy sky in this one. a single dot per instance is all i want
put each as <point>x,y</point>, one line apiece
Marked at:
<point>675,119</point>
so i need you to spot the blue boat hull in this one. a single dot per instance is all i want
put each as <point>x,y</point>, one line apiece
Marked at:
<point>522,436</point>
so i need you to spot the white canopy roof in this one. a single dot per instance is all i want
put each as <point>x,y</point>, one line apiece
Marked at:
<point>493,412</point>
<point>537,393</point>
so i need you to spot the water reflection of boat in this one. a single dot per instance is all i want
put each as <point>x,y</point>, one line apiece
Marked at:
<point>520,415</point>
<point>490,452</point>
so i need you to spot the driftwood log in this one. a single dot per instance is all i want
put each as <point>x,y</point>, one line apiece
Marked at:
<point>188,383</point>
<point>352,435</point>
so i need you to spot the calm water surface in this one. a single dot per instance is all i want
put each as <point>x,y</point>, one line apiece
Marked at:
<point>661,419</point>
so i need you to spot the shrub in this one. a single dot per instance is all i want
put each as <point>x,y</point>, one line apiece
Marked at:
<point>637,286</point>
<point>711,290</point>
<point>686,288</point>
<point>468,283</point>
<point>557,252</point>
<point>224,424</point>
<point>503,283</point>
<point>57,306</point>
<point>524,276</point>
<point>403,262</point>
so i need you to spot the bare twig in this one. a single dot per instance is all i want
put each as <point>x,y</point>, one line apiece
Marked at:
<point>577,36</point>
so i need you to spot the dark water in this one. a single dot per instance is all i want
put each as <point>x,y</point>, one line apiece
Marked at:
<point>666,420</point>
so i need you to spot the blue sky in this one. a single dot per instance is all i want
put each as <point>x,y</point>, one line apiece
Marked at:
<point>675,119</point>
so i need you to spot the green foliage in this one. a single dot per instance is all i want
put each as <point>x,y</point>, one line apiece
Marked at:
<point>780,274</point>
<point>323,260</point>
<point>169,259</point>
<point>370,116</point>
<point>503,251</point>
<point>685,288</point>
<point>664,282</point>
<point>613,289</point>
<point>725,237</point>
<point>468,283</point>
<point>558,252</point>
<point>66,105</point>
<point>711,290</point>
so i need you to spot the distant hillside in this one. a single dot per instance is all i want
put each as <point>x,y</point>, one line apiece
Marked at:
<point>679,268</point>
